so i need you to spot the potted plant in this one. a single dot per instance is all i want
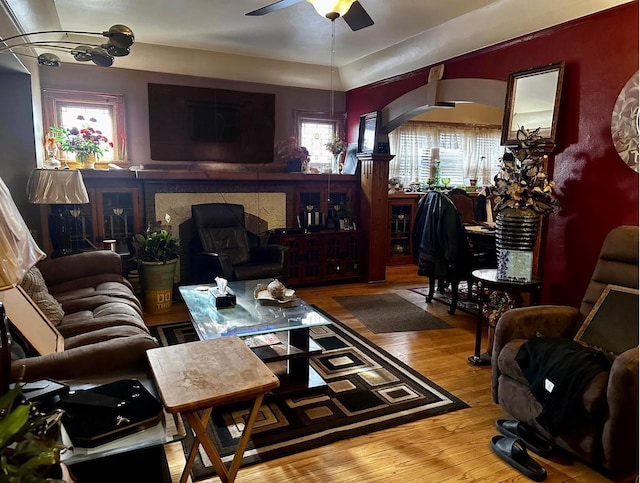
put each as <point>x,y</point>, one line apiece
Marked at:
<point>294,155</point>
<point>29,447</point>
<point>156,253</point>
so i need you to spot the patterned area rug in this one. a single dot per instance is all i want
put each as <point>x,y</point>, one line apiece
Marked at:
<point>469,306</point>
<point>366,390</point>
<point>390,313</point>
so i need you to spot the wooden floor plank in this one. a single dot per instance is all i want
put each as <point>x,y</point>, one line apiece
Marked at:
<point>450,447</point>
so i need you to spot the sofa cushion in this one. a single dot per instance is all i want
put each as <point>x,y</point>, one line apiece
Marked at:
<point>106,315</point>
<point>33,283</point>
<point>95,300</point>
<point>75,299</point>
<point>104,334</point>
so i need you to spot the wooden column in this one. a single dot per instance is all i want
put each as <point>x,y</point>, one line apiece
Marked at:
<point>374,181</point>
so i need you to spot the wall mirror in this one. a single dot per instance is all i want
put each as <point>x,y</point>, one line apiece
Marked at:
<point>532,101</point>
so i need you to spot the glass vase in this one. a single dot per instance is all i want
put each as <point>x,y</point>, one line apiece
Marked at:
<point>335,164</point>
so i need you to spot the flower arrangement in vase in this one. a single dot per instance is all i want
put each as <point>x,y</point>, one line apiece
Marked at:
<point>522,182</point>
<point>336,147</point>
<point>87,143</point>
<point>294,155</point>
<point>523,195</point>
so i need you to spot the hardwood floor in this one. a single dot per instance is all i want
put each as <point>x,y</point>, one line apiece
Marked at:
<point>450,447</point>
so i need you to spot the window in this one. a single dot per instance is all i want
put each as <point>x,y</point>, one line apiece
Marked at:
<point>465,152</point>
<point>315,129</point>
<point>62,108</point>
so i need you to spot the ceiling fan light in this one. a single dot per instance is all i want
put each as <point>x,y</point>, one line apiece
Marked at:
<point>101,57</point>
<point>49,60</point>
<point>332,9</point>
<point>120,36</point>
<point>82,53</point>
<point>115,51</point>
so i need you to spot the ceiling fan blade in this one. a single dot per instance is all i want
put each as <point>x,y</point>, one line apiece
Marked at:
<point>273,7</point>
<point>357,18</point>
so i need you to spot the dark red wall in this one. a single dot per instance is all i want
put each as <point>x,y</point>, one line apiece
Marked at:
<point>596,190</point>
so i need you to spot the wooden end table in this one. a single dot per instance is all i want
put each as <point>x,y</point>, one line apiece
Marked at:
<point>199,376</point>
<point>487,278</point>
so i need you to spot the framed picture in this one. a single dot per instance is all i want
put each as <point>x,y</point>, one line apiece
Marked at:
<point>612,324</point>
<point>368,132</point>
<point>30,322</point>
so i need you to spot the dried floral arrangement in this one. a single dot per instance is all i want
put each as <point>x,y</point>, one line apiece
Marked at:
<point>522,181</point>
<point>336,145</point>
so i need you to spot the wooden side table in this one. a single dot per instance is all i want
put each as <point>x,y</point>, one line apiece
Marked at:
<point>198,376</point>
<point>487,278</point>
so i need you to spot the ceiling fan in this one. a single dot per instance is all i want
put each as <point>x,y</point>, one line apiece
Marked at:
<point>352,12</point>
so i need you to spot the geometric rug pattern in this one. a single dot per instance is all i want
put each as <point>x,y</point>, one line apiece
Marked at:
<point>367,390</point>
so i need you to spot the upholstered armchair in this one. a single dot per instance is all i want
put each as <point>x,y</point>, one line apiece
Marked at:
<point>604,429</point>
<point>223,247</point>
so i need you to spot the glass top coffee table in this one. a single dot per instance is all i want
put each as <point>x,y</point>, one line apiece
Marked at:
<point>277,332</point>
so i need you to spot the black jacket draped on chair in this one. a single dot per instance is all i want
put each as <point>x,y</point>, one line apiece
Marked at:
<point>441,247</point>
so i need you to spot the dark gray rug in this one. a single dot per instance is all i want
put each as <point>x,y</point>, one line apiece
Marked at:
<point>367,390</point>
<point>390,313</point>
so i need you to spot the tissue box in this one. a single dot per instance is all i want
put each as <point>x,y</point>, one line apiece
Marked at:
<point>223,300</point>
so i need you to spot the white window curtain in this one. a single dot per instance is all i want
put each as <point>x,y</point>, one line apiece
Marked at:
<point>466,152</point>
<point>411,143</point>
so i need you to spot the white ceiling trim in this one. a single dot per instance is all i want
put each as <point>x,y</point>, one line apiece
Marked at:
<point>506,19</point>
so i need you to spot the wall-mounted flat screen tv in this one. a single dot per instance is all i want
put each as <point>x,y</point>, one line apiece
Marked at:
<point>206,124</point>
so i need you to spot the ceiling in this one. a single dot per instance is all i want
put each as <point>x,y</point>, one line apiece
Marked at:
<point>223,42</point>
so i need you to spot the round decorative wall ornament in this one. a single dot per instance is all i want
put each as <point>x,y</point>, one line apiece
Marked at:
<point>625,123</point>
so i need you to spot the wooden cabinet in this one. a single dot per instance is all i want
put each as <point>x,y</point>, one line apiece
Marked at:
<point>113,213</point>
<point>401,217</point>
<point>326,256</point>
<point>332,200</point>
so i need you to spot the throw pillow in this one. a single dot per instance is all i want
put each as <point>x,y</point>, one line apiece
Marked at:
<point>33,283</point>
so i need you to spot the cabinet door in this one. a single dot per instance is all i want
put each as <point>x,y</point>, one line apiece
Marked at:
<point>401,218</point>
<point>117,216</point>
<point>332,202</point>
<point>304,257</point>
<point>308,202</point>
<point>343,251</point>
<point>81,229</point>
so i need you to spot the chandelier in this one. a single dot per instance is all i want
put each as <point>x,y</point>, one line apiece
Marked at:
<point>120,39</point>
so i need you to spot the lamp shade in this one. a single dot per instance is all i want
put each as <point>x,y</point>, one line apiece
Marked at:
<point>56,186</point>
<point>18,250</point>
<point>329,8</point>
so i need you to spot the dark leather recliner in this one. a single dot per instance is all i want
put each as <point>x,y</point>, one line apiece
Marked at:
<point>223,247</point>
<point>604,427</point>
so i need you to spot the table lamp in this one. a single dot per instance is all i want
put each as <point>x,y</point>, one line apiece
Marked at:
<point>18,253</point>
<point>58,187</point>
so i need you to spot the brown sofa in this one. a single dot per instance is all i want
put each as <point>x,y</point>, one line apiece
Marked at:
<point>102,324</point>
<point>604,432</point>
